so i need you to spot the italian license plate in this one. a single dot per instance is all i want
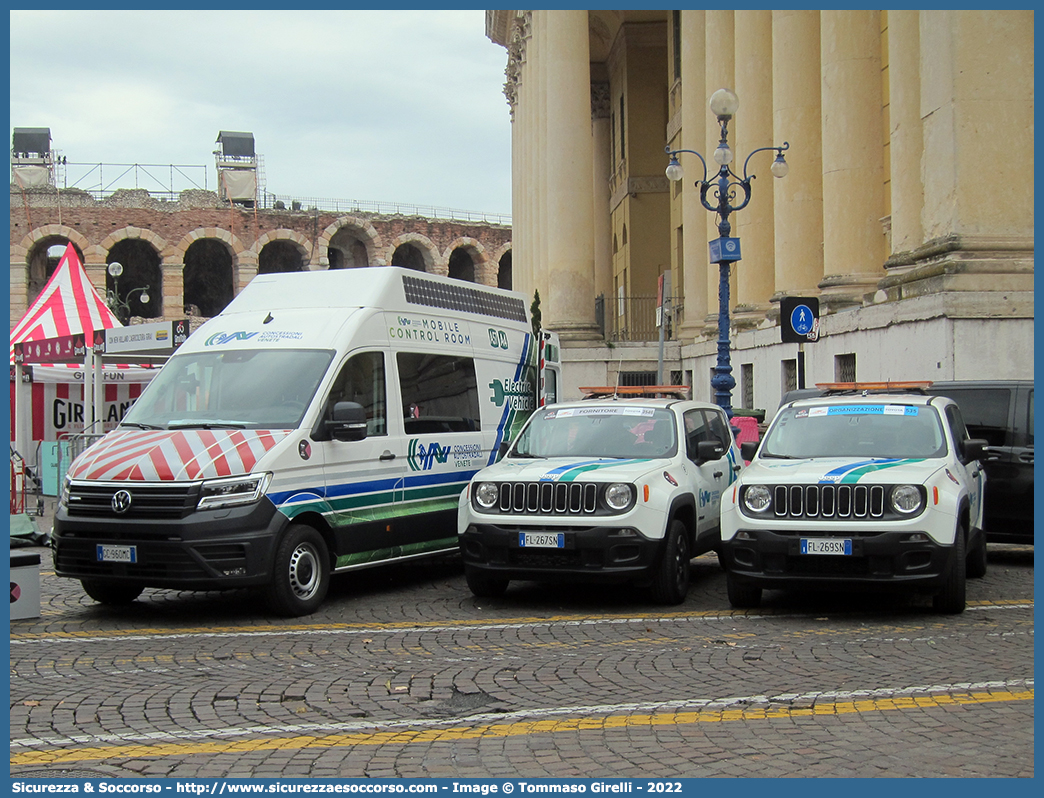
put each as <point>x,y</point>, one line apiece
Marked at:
<point>541,540</point>
<point>117,553</point>
<point>826,545</point>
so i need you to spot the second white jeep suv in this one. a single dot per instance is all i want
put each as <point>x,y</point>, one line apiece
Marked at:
<point>604,489</point>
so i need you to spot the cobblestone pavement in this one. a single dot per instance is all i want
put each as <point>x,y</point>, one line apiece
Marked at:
<point>403,672</point>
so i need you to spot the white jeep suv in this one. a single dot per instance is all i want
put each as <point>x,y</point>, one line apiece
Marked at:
<point>608,489</point>
<point>859,489</point>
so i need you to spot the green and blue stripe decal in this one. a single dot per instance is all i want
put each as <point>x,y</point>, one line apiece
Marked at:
<point>852,472</point>
<point>570,472</point>
<point>508,416</point>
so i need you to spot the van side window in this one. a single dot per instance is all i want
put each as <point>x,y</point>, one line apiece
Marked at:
<point>362,380</point>
<point>439,393</point>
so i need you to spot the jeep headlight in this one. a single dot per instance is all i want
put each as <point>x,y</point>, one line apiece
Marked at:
<point>619,496</point>
<point>907,499</point>
<point>757,498</point>
<point>486,495</point>
<point>230,492</point>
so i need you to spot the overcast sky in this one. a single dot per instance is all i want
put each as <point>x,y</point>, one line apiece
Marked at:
<point>403,106</point>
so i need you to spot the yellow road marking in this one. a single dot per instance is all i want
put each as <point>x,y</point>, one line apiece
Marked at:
<point>496,731</point>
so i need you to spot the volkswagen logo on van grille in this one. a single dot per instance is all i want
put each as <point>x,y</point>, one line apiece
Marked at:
<point>121,501</point>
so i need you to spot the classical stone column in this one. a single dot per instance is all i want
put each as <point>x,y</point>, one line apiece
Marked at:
<point>798,198</point>
<point>978,123</point>
<point>603,230</point>
<point>755,274</point>
<point>539,166</point>
<point>521,167</point>
<point>720,74</point>
<point>693,137</point>
<point>853,156</point>
<point>905,134</point>
<point>569,302</point>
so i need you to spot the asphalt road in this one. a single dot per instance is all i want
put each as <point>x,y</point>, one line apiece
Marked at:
<point>403,673</point>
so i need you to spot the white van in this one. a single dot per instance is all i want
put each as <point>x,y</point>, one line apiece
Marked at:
<point>324,422</point>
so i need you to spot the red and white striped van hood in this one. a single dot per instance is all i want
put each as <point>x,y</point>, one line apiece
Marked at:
<point>174,455</point>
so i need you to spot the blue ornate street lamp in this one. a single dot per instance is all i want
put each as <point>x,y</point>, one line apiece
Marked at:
<point>724,250</point>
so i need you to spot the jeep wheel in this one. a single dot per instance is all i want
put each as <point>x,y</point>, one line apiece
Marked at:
<point>741,596</point>
<point>976,567</point>
<point>483,585</point>
<point>670,582</point>
<point>301,573</point>
<point>105,592</point>
<point>950,599</point>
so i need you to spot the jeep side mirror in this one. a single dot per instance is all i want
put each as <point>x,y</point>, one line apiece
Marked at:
<point>347,422</point>
<point>974,449</point>
<point>748,449</point>
<point>709,450</point>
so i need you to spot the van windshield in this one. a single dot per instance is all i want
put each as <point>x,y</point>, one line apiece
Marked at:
<point>870,430</point>
<point>612,432</point>
<point>240,388</point>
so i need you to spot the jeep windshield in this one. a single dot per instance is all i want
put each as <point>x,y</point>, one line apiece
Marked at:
<point>599,432</point>
<point>233,389</point>
<point>871,430</point>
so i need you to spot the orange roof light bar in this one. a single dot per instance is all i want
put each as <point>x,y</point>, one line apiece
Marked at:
<point>645,391</point>
<point>911,385</point>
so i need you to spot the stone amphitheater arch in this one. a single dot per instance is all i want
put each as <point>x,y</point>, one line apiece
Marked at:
<point>364,232</point>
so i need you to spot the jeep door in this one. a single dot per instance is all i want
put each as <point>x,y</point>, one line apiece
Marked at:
<point>712,476</point>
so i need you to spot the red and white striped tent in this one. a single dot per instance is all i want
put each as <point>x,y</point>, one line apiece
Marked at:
<point>70,305</point>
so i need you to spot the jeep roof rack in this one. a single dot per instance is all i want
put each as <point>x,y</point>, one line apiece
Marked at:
<point>910,386</point>
<point>637,391</point>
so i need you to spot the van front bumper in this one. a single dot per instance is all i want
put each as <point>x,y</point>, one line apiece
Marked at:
<point>203,550</point>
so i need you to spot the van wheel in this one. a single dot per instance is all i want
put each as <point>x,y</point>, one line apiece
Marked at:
<point>483,585</point>
<point>105,592</point>
<point>741,596</point>
<point>301,574</point>
<point>976,566</point>
<point>670,582</point>
<point>951,598</point>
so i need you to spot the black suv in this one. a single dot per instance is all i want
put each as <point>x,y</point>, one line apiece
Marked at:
<point>1001,412</point>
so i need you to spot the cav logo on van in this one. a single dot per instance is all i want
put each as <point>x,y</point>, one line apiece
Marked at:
<point>498,339</point>
<point>223,338</point>
<point>423,458</point>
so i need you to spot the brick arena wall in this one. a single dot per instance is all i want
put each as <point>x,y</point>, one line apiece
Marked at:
<point>42,218</point>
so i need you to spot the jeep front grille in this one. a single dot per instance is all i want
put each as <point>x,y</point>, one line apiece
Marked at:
<point>829,502</point>
<point>548,498</point>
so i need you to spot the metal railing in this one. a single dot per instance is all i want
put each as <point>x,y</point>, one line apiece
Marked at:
<point>167,181</point>
<point>633,318</point>
<point>70,446</point>
<point>292,202</point>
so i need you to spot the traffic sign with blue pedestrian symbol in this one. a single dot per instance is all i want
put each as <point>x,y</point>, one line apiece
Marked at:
<point>799,319</point>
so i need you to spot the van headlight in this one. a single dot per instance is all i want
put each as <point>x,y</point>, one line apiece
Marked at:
<point>63,496</point>
<point>619,496</point>
<point>757,498</point>
<point>907,499</point>
<point>486,495</point>
<point>233,491</point>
